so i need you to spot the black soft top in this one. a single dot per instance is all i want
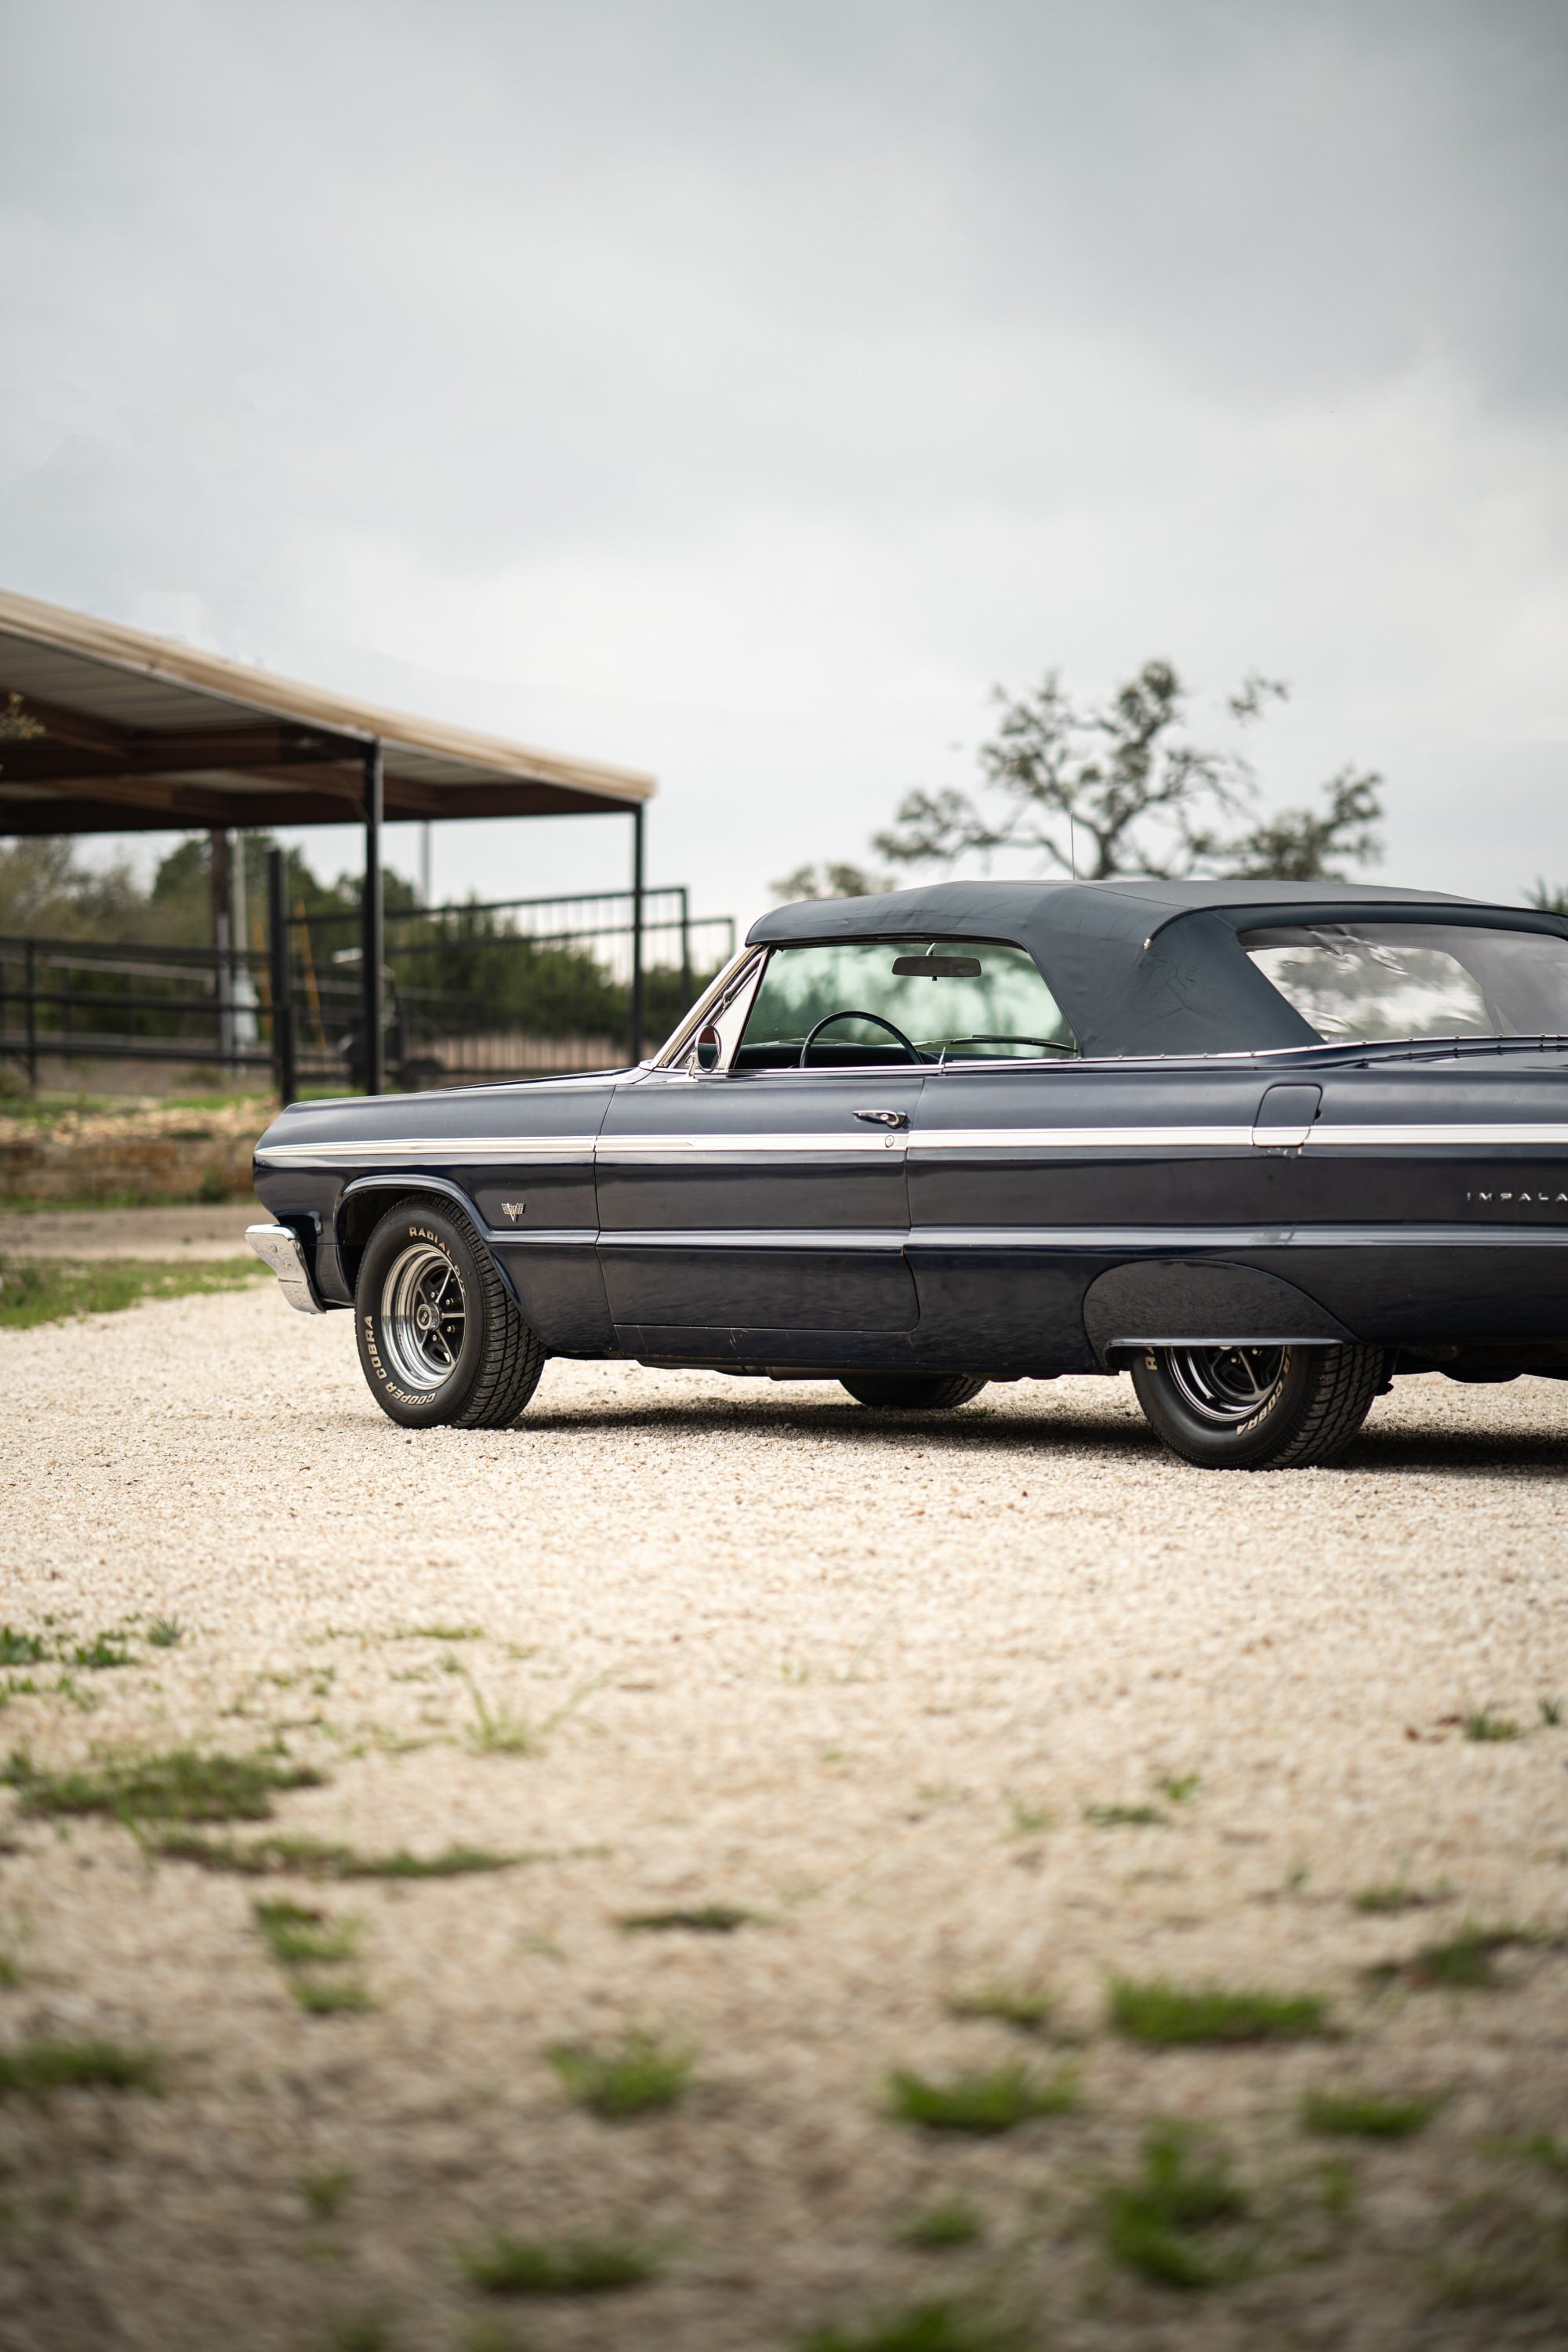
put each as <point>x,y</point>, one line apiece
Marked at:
<point>1139,966</point>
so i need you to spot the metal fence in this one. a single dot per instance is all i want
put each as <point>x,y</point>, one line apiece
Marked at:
<point>510,988</point>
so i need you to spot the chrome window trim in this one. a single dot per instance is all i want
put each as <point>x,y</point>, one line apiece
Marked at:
<point>745,965</point>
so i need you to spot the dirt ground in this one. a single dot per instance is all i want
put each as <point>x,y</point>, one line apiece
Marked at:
<point>191,1230</point>
<point>1004,1702</point>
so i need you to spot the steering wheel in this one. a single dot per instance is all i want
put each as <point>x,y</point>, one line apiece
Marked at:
<point>826,1022</point>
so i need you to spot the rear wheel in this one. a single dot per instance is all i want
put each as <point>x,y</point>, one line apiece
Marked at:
<point>914,1391</point>
<point>441,1340</point>
<point>1257,1408</point>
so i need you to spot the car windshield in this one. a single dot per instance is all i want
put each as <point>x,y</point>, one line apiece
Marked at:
<point>954,997</point>
<point>1363,981</point>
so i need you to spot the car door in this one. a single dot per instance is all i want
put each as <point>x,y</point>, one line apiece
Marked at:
<point>761,1211</point>
<point>1028,1184</point>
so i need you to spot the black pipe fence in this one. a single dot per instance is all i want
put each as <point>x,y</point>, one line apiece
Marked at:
<point>506,989</point>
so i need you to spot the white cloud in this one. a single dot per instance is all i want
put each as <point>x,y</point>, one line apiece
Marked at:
<point>740,392</point>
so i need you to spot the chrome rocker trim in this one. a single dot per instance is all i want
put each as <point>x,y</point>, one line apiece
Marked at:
<point>275,1246</point>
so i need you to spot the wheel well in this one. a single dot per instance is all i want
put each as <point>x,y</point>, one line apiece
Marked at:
<point>359,1214</point>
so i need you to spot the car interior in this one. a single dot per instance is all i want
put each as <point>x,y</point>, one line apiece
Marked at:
<point>897,1004</point>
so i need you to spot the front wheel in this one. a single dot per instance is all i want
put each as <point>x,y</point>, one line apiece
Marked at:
<point>914,1391</point>
<point>1257,1408</point>
<point>440,1338</point>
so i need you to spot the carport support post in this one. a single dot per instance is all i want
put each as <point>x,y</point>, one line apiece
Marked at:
<point>638,844</point>
<point>372,926</point>
<point>278,975</point>
<point>223,938</point>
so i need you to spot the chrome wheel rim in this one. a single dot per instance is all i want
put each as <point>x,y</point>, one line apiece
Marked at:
<point>1226,1386</point>
<point>422,1317</point>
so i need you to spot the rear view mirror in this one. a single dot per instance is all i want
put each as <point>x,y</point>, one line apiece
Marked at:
<point>706,1052</point>
<point>935,967</point>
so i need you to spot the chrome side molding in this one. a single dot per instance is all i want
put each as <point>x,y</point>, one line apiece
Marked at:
<point>275,1246</point>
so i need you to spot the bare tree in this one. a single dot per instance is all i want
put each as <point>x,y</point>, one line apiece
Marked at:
<point>1298,845</point>
<point>1116,788</point>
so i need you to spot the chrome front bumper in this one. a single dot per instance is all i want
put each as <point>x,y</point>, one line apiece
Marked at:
<point>279,1249</point>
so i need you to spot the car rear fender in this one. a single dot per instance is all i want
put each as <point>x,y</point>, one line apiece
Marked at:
<point>1187,1300</point>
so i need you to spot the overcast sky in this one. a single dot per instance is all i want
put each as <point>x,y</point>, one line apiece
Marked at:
<point>742,388</point>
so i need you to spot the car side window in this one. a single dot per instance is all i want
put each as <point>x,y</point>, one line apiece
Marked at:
<point>854,1003</point>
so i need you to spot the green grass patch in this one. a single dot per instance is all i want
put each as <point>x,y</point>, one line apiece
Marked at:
<point>1029,2008</point>
<point>1483,1725</point>
<point>104,1651</point>
<point>1397,1897</point>
<point>308,1857</point>
<point>303,1940</point>
<point>995,2100</point>
<point>181,1785</point>
<point>1156,2011</point>
<point>1125,1817</point>
<point>501,1731</point>
<point>937,2326</point>
<point>299,1938</point>
<point>35,1290</point>
<point>1180,1787</point>
<point>331,1995</point>
<point>163,1632</point>
<point>1465,1963</point>
<point>1547,2149</point>
<point>507,2265</point>
<point>1362,2115</point>
<point>1156,2224</point>
<point>942,2227</point>
<point>1028,1821</point>
<point>370,2331</point>
<point>364,2331</point>
<point>635,2075</point>
<point>31,2069</point>
<point>323,2192</point>
<point>706,1919</point>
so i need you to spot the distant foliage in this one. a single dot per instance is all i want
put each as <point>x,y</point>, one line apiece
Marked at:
<point>830,880</point>
<point>504,980</point>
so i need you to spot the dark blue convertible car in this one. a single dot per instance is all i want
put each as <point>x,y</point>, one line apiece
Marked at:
<point>1266,1145</point>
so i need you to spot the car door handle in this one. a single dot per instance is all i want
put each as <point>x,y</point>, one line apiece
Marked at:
<point>883,1118</point>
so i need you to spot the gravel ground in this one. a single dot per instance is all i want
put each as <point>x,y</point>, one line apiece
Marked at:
<point>748,1645</point>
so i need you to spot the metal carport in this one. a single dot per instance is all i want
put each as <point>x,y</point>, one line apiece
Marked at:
<point>142,734</point>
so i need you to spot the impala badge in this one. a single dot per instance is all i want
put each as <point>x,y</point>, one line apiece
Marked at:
<point>1543,1197</point>
<point>513,1209</point>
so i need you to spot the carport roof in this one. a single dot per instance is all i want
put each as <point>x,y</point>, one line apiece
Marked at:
<point>144,734</point>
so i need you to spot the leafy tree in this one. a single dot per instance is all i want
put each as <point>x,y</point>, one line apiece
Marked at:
<point>1551,897</point>
<point>1117,788</point>
<point>46,892</point>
